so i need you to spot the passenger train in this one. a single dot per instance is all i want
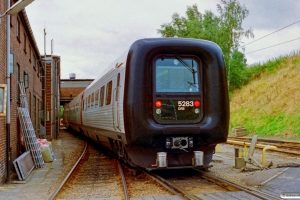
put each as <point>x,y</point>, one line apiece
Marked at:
<point>163,104</point>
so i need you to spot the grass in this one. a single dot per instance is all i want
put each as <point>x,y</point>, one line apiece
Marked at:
<point>269,102</point>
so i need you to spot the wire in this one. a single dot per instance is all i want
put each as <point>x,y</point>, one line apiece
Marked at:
<point>271,33</point>
<point>273,46</point>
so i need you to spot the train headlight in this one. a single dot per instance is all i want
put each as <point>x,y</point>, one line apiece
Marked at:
<point>197,110</point>
<point>191,142</point>
<point>177,143</point>
<point>158,111</point>
<point>168,143</point>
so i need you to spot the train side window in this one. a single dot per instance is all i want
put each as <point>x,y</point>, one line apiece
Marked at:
<point>108,93</point>
<point>92,101</point>
<point>88,102</point>
<point>118,87</point>
<point>96,98</point>
<point>82,105</point>
<point>102,95</point>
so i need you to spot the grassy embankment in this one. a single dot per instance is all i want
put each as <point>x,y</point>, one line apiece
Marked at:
<point>269,105</point>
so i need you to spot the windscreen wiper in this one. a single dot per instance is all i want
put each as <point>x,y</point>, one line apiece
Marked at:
<point>191,69</point>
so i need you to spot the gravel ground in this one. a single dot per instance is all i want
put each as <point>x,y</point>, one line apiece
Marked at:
<point>141,186</point>
<point>42,182</point>
<point>71,148</point>
<point>190,181</point>
<point>224,166</point>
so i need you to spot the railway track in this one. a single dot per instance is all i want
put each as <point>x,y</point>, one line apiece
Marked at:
<point>283,146</point>
<point>94,175</point>
<point>196,184</point>
<point>97,175</point>
<point>237,187</point>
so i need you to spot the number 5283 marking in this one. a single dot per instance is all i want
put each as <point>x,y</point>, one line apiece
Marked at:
<point>185,103</point>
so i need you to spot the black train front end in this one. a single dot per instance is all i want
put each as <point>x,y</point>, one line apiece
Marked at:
<point>176,106</point>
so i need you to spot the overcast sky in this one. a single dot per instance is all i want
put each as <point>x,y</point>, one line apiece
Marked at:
<point>90,34</point>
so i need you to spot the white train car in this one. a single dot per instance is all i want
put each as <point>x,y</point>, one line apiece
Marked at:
<point>99,106</point>
<point>162,104</point>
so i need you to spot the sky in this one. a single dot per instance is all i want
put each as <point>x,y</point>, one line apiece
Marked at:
<point>89,35</point>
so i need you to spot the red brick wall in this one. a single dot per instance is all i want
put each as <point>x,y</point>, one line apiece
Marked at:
<point>48,98</point>
<point>25,58</point>
<point>3,7</point>
<point>66,92</point>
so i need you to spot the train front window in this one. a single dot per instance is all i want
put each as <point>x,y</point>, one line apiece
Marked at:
<point>176,74</point>
<point>177,95</point>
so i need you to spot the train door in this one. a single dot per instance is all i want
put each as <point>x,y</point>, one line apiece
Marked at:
<point>116,114</point>
<point>81,107</point>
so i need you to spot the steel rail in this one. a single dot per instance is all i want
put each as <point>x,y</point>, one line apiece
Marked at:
<point>248,190</point>
<point>70,172</point>
<point>123,181</point>
<point>265,140</point>
<point>171,187</point>
<point>277,143</point>
<point>242,143</point>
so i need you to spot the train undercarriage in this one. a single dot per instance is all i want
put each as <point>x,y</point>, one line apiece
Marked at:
<point>157,158</point>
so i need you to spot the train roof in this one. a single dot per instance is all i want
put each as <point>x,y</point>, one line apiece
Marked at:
<point>168,41</point>
<point>114,64</point>
<point>150,43</point>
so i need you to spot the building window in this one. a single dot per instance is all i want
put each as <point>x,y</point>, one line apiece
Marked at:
<point>11,63</point>
<point>33,116</point>
<point>3,99</point>
<point>35,65</point>
<point>18,30</point>
<point>29,105</point>
<point>41,71</point>
<point>11,24</point>
<point>29,53</point>
<point>40,109</point>
<point>25,43</point>
<point>26,80</point>
<point>18,80</point>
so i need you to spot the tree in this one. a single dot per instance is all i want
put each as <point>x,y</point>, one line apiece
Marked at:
<point>61,109</point>
<point>225,30</point>
<point>238,69</point>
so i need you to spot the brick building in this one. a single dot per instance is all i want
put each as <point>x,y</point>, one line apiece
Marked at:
<point>52,95</point>
<point>70,88</point>
<point>28,65</point>
<point>2,81</point>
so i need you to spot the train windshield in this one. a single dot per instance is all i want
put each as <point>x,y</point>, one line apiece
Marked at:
<point>177,74</point>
